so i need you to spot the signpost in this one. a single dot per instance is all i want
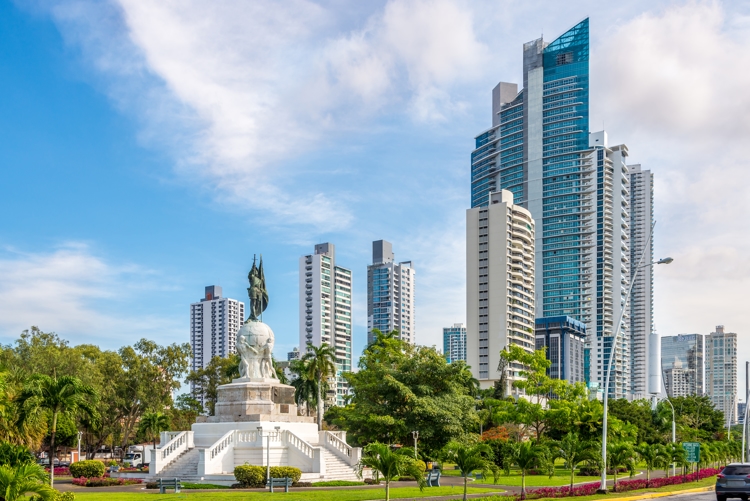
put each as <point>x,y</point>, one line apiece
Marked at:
<point>693,450</point>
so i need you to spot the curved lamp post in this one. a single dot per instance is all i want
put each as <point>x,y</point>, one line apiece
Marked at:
<point>666,260</point>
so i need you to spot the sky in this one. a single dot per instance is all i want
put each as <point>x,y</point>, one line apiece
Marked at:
<point>149,149</point>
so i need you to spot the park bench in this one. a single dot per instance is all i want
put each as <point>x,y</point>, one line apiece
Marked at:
<point>285,482</point>
<point>433,478</point>
<point>169,483</point>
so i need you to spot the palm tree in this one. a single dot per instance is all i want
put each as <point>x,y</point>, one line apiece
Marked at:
<point>64,396</point>
<point>321,364</point>
<point>527,456</point>
<point>29,478</point>
<point>390,464</point>
<point>620,454</point>
<point>153,423</point>
<point>676,455</point>
<point>305,388</point>
<point>574,451</point>
<point>654,455</point>
<point>468,458</point>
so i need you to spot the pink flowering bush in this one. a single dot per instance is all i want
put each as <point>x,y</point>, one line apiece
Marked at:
<point>105,481</point>
<point>60,471</point>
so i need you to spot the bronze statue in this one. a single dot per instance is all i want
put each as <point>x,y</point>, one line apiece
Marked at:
<point>257,290</point>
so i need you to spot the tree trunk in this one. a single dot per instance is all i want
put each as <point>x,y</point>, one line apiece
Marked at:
<point>572,477</point>
<point>320,404</point>
<point>52,451</point>
<point>648,476</point>
<point>614,486</point>
<point>465,481</point>
<point>387,489</point>
<point>523,483</point>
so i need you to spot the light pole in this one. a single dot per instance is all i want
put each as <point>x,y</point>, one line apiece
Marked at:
<point>674,434</point>
<point>666,260</point>
<point>415,434</point>
<point>80,434</point>
<point>268,449</point>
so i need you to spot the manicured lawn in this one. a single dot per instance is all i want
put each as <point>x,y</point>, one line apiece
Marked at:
<point>302,495</point>
<point>561,477</point>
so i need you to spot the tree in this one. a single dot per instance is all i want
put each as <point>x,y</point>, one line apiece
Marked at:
<point>574,451</point>
<point>64,396</point>
<point>28,478</point>
<point>305,387</point>
<point>468,457</point>
<point>153,423</point>
<point>526,456</point>
<point>677,455</point>
<point>400,388</point>
<point>219,371</point>
<point>619,455</point>
<point>653,456</point>
<point>390,464</point>
<point>639,414</point>
<point>320,362</point>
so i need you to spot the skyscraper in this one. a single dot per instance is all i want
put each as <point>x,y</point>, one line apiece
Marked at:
<point>325,312</point>
<point>721,371</point>
<point>454,343</point>
<point>574,185</point>
<point>642,295</point>
<point>214,323</point>
<point>688,350</point>
<point>499,285</point>
<point>564,339</point>
<point>390,294</point>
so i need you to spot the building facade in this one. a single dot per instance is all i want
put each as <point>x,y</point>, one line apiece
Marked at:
<point>214,323</point>
<point>499,285</point>
<point>574,185</point>
<point>454,343</point>
<point>642,296</point>
<point>679,381</point>
<point>688,349</point>
<point>325,312</point>
<point>721,372</point>
<point>390,294</point>
<point>564,339</point>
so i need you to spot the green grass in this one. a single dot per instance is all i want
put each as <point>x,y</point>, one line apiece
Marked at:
<point>305,495</point>
<point>188,485</point>
<point>561,477</point>
<point>337,483</point>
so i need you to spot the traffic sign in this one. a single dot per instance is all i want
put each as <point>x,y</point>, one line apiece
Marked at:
<point>693,450</point>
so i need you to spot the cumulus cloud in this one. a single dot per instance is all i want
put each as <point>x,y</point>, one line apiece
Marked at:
<point>68,291</point>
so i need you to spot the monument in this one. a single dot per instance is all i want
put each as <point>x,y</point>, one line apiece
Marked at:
<point>255,420</point>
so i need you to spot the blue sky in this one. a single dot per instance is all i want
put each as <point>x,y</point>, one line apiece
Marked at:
<point>150,149</point>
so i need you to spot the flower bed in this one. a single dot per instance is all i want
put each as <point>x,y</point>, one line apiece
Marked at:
<point>105,481</point>
<point>622,485</point>
<point>60,471</point>
<point>132,470</point>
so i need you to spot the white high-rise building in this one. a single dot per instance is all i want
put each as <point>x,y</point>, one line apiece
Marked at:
<point>499,285</point>
<point>642,295</point>
<point>214,323</point>
<point>454,343</point>
<point>390,294</point>
<point>325,312</point>
<point>721,372</point>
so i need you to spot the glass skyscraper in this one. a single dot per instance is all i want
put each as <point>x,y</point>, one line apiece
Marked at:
<point>576,188</point>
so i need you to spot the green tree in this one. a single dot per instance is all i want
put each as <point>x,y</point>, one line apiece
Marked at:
<point>390,464</point>
<point>219,371</point>
<point>64,396</point>
<point>153,423</point>
<point>28,478</point>
<point>574,451</point>
<point>14,455</point>
<point>305,387</point>
<point>620,455</point>
<point>639,414</point>
<point>526,456</point>
<point>654,456</point>
<point>468,457</point>
<point>320,362</point>
<point>400,388</point>
<point>677,455</point>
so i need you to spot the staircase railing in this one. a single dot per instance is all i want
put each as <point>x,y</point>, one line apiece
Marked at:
<point>219,457</point>
<point>351,455</point>
<point>310,454</point>
<point>160,458</point>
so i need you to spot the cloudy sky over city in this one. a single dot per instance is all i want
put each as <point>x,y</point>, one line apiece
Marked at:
<point>152,148</point>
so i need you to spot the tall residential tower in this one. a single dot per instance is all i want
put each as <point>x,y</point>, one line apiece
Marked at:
<point>685,353</point>
<point>576,188</point>
<point>454,343</point>
<point>721,372</point>
<point>390,294</point>
<point>325,312</point>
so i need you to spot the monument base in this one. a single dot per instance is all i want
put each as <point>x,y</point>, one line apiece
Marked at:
<point>256,399</point>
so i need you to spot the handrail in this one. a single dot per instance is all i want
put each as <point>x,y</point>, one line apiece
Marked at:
<point>338,444</point>
<point>223,443</point>
<point>176,443</point>
<point>351,455</point>
<point>160,458</point>
<point>299,444</point>
<point>211,459</point>
<point>246,436</point>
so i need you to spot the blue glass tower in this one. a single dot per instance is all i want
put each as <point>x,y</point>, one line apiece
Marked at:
<point>539,147</point>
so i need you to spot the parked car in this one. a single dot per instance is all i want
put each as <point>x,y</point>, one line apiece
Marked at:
<point>57,462</point>
<point>733,482</point>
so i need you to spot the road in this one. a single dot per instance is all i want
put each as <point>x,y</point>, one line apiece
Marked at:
<point>695,496</point>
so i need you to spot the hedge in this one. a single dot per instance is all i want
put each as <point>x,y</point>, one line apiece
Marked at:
<point>88,468</point>
<point>58,496</point>
<point>255,476</point>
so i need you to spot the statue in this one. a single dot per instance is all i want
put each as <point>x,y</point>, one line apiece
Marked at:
<point>255,339</point>
<point>257,290</point>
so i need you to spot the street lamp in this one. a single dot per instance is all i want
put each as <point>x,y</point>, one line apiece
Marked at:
<point>80,434</point>
<point>268,449</point>
<point>666,260</point>
<point>415,434</point>
<point>674,434</point>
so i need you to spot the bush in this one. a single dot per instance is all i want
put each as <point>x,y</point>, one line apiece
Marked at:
<point>14,455</point>
<point>88,468</point>
<point>59,496</point>
<point>250,476</point>
<point>105,481</point>
<point>371,481</point>
<point>589,471</point>
<point>286,472</point>
<point>152,485</point>
<point>421,465</point>
<point>302,484</point>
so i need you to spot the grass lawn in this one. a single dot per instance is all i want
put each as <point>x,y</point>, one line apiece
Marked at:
<point>306,495</point>
<point>561,477</point>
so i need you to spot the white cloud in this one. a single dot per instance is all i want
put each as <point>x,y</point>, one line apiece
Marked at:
<point>72,291</point>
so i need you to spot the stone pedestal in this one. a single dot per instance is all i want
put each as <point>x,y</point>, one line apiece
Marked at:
<point>256,399</point>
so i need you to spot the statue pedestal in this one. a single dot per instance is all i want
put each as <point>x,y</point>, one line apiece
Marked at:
<point>256,399</point>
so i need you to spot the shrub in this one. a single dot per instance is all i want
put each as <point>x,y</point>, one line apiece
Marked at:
<point>286,472</point>
<point>302,484</point>
<point>336,483</point>
<point>371,481</point>
<point>88,468</point>
<point>250,476</point>
<point>14,455</point>
<point>421,465</point>
<point>105,481</point>
<point>152,485</point>
<point>59,496</point>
